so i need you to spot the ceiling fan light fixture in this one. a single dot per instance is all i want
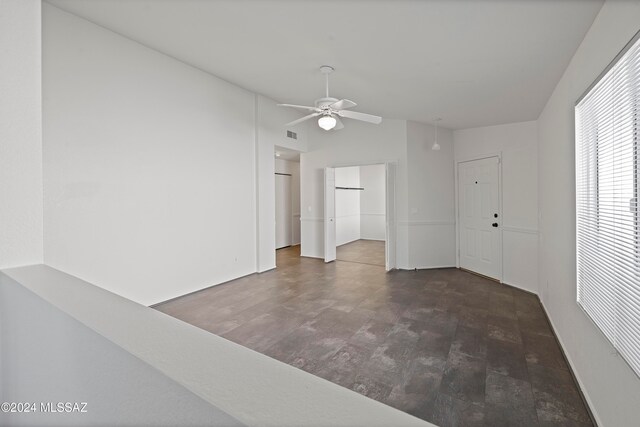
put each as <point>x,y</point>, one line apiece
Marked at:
<point>330,110</point>
<point>327,122</point>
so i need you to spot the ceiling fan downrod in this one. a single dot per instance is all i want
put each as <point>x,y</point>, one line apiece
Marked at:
<point>326,70</point>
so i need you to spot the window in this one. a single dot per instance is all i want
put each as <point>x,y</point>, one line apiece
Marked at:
<point>607,177</point>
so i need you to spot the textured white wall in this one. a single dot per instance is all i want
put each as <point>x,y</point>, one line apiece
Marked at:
<point>295,201</point>
<point>20,133</point>
<point>347,205</point>
<point>430,225</point>
<point>149,165</point>
<point>372,202</point>
<point>611,387</point>
<point>518,145</point>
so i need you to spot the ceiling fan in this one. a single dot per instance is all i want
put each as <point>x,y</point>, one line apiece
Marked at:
<point>330,110</point>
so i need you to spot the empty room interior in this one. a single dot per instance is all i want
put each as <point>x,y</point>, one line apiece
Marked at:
<point>319,213</point>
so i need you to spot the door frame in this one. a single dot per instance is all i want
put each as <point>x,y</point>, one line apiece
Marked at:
<point>290,202</point>
<point>393,207</point>
<point>391,216</point>
<point>329,220</point>
<point>489,155</point>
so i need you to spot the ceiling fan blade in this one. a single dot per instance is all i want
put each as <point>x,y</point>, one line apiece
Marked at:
<point>360,116</point>
<point>339,124</point>
<point>343,104</point>
<point>301,107</point>
<point>302,119</point>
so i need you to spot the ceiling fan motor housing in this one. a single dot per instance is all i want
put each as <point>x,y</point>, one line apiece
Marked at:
<point>325,102</point>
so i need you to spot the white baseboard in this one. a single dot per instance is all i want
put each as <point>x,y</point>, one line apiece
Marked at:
<point>585,396</point>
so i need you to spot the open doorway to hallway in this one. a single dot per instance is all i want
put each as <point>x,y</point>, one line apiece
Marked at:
<point>287,199</point>
<point>360,199</point>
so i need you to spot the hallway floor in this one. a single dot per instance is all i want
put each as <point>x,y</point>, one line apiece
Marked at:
<point>444,345</point>
<point>362,251</point>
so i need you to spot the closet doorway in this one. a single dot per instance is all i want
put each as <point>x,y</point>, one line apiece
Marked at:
<point>287,198</point>
<point>358,225</point>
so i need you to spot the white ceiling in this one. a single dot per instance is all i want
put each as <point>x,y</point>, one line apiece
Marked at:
<point>471,62</point>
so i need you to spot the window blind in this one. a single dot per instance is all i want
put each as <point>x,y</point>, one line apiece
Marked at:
<point>607,176</point>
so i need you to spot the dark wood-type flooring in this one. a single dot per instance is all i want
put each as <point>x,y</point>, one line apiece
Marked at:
<point>444,345</point>
<point>363,251</point>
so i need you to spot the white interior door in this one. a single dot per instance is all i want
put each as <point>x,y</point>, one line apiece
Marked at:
<point>479,209</point>
<point>329,214</point>
<point>390,217</point>
<point>284,213</point>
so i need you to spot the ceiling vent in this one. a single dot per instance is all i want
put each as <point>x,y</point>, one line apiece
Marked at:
<point>292,135</point>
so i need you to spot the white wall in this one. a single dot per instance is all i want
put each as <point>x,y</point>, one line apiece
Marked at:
<point>430,225</point>
<point>20,133</point>
<point>295,200</point>
<point>517,143</point>
<point>611,387</point>
<point>372,202</point>
<point>357,144</point>
<point>347,205</point>
<point>149,166</point>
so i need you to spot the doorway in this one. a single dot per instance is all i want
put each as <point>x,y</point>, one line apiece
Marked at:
<point>479,217</point>
<point>284,210</point>
<point>360,214</point>
<point>287,198</point>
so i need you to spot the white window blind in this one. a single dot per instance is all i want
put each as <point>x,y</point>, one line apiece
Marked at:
<point>607,172</point>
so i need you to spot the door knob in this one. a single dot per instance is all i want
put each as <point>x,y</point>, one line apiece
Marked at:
<point>495,224</point>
